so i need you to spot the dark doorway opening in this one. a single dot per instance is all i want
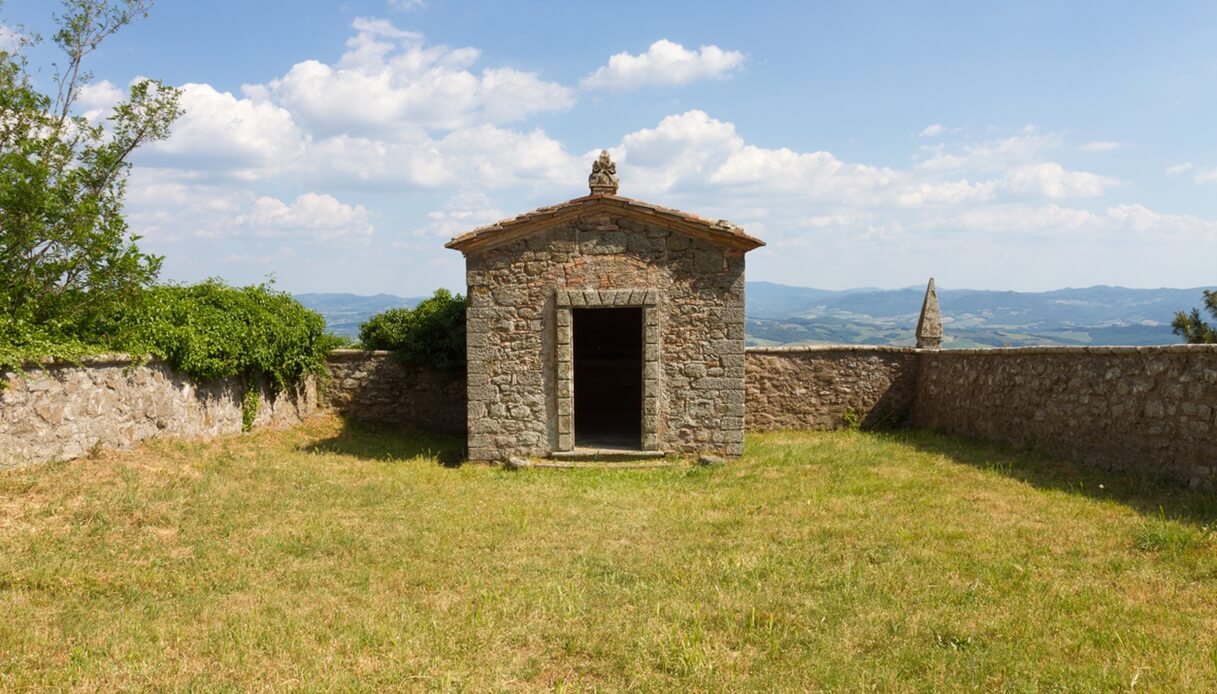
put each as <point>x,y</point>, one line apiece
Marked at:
<point>608,377</point>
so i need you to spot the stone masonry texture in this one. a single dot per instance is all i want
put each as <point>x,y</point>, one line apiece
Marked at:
<point>376,387</point>
<point>822,387</point>
<point>698,374</point>
<point>1147,410</point>
<point>63,411</point>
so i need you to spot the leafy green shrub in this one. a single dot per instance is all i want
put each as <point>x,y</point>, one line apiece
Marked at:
<point>430,334</point>
<point>211,330</point>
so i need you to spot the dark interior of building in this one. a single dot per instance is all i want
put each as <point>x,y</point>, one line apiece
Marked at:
<point>608,377</point>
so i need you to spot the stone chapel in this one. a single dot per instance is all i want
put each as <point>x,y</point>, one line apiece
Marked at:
<point>605,325</point>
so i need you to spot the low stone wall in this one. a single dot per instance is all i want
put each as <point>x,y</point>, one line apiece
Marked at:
<point>1150,410</point>
<point>822,387</point>
<point>62,411</point>
<point>375,387</point>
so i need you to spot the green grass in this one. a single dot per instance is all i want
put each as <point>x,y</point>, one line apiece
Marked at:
<point>324,557</point>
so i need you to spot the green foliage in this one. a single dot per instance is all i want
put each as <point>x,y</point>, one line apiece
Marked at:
<point>210,330</point>
<point>430,334</point>
<point>23,342</point>
<point>1192,328</point>
<point>851,419</point>
<point>342,341</point>
<point>249,406</point>
<point>67,259</point>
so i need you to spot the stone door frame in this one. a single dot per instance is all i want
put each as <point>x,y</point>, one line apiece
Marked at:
<point>648,301</point>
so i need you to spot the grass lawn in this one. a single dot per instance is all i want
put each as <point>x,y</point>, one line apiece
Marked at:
<point>332,557</point>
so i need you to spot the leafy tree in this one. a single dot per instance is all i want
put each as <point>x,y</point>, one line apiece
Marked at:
<point>1192,328</point>
<point>430,334</point>
<point>67,257</point>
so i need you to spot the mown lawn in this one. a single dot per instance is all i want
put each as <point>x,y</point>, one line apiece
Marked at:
<point>325,557</point>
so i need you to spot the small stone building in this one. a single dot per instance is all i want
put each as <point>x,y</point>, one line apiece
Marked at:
<point>605,324</point>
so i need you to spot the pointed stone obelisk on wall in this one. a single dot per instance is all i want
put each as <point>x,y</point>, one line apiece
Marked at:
<point>929,325</point>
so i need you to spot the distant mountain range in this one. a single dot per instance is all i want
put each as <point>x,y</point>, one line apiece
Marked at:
<point>780,314</point>
<point>344,313</point>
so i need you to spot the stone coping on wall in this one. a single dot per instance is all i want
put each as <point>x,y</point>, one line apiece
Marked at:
<point>344,354</point>
<point>1083,349</point>
<point>347,354</point>
<point>788,349</point>
<point>119,358</point>
<point>114,359</point>
<point>1046,349</point>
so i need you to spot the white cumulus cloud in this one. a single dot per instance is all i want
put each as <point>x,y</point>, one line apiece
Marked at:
<point>98,98</point>
<point>693,152</point>
<point>1206,175</point>
<point>460,213</point>
<point>1027,146</point>
<point>222,133</point>
<point>315,215</point>
<point>1051,180</point>
<point>665,63</point>
<point>164,209</point>
<point>933,130</point>
<point>389,80</point>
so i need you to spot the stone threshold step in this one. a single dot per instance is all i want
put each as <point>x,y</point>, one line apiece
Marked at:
<point>602,465</point>
<point>606,454</point>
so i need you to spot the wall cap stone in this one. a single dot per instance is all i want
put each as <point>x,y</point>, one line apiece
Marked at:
<point>1080,349</point>
<point>120,358</point>
<point>113,359</point>
<point>996,351</point>
<point>834,348</point>
<point>354,354</point>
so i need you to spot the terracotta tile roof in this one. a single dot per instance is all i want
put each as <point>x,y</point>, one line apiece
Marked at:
<point>721,232</point>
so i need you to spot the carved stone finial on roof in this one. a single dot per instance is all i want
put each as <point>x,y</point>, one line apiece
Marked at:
<point>929,325</point>
<point>603,180</point>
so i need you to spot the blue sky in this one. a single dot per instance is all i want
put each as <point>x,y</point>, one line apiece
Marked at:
<point>1020,146</point>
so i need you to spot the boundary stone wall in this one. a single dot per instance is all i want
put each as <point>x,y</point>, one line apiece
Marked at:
<point>60,411</point>
<point>821,387</point>
<point>373,386</point>
<point>1148,410</point>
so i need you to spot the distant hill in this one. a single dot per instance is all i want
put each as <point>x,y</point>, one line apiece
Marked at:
<point>778,314</point>
<point>781,314</point>
<point>344,313</point>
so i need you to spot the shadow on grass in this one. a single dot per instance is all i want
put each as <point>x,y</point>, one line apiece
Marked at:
<point>1150,495</point>
<point>386,442</point>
